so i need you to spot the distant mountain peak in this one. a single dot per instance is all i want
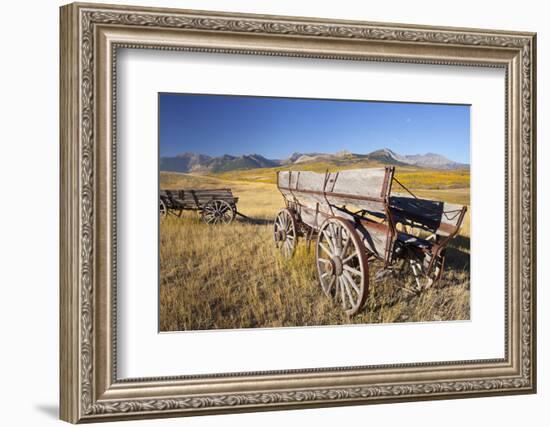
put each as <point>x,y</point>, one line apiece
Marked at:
<point>428,160</point>
<point>343,153</point>
<point>201,163</point>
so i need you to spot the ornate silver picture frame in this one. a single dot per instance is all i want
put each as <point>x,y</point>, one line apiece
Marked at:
<point>91,390</point>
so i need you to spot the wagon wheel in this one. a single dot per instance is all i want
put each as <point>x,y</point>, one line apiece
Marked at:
<point>342,264</point>
<point>285,232</point>
<point>413,268</point>
<point>163,211</point>
<point>412,265</point>
<point>217,212</point>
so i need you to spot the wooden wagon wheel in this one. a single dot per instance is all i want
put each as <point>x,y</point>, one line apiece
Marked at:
<point>342,264</point>
<point>217,212</point>
<point>163,211</point>
<point>412,264</point>
<point>285,232</point>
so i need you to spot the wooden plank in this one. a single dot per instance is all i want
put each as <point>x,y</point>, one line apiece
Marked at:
<point>310,217</point>
<point>314,216</point>
<point>196,198</point>
<point>359,187</point>
<point>197,189</point>
<point>375,238</point>
<point>205,191</point>
<point>359,182</point>
<point>189,196</point>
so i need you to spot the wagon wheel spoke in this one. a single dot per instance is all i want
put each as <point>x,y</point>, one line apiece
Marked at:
<point>278,226</point>
<point>208,216</point>
<point>337,288</point>
<point>337,238</point>
<point>329,234</point>
<point>278,242</point>
<point>351,282</point>
<point>330,242</point>
<point>227,213</point>
<point>342,264</point>
<point>327,282</point>
<point>352,270</point>
<point>350,257</point>
<point>325,249</point>
<point>348,291</point>
<point>346,245</point>
<point>290,229</point>
<point>342,292</point>
<point>287,245</point>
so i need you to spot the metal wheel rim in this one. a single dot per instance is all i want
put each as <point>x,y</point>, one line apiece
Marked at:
<point>217,212</point>
<point>285,233</point>
<point>342,264</point>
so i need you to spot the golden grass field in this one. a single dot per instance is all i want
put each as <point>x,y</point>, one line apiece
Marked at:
<point>231,276</point>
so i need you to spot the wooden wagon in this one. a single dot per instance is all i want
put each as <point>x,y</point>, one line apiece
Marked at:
<point>356,219</point>
<point>215,206</point>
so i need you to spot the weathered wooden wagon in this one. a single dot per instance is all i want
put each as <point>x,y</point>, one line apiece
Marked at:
<point>356,220</point>
<point>215,206</point>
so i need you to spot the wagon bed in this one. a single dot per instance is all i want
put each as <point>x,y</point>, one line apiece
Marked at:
<point>215,206</point>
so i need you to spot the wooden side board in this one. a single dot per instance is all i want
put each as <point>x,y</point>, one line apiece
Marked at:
<point>362,188</point>
<point>195,199</point>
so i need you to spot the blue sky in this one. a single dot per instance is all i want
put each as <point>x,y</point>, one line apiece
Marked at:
<point>277,127</point>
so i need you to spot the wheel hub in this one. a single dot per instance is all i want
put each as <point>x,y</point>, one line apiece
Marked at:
<point>335,266</point>
<point>280,236</point>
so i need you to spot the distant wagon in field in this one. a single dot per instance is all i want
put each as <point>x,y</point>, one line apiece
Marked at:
<point>215,206</point>
<point>356,219</point>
